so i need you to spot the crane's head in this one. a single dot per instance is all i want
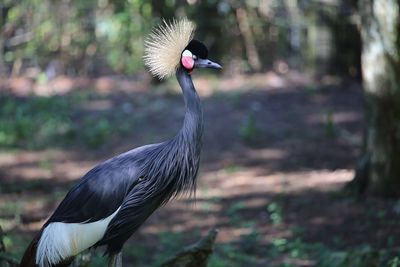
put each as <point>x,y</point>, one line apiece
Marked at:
<point>171,45</point>
<point>195,56</point>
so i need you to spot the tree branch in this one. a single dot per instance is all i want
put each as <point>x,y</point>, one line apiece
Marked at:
<point>195,255</point>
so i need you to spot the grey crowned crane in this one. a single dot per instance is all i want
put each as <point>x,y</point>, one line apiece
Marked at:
<point>110,202</point>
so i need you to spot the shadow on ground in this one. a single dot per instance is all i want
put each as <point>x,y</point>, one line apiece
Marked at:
<point>275,157</point>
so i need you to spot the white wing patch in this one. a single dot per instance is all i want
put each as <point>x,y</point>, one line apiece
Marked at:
<point>164,46</point>
<point>60,241</point>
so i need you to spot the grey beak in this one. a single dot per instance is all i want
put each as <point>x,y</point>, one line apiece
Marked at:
<point>206,63</point>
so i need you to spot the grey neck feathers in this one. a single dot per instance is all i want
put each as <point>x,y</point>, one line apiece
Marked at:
<point>192,128</point>
<point>172,167</point>
<point>184,149</point>
<point>169,168</point>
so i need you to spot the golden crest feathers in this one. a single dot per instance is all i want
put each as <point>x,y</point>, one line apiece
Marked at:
<point>163,47</point>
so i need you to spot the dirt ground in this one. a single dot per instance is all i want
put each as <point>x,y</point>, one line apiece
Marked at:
<point>277,152</point>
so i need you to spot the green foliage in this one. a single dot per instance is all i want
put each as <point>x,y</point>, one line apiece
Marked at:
<point>120,35</point>
<point>311,89</point>
<point>394,262</point>
<point>227,255</point>
<point>90,37</point>
<point>275,213</point>
<point>79,30</point>
<point>248,129</point>
<point>30,122</point>
<point>98,134</point>
<point>330,127</point>
<point>37,122</point>
<point>233,212</point>
<point>291,249</point>
<point>15,245</point>
<point>358,257</point>
<point>138,252</point>
<point>230,169</point>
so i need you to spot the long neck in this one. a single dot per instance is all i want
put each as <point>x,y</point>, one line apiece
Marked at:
<point>192,128</point>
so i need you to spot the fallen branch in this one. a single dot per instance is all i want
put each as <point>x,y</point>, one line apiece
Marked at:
<point>195,255</point>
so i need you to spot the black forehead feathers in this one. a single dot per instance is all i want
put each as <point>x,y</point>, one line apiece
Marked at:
<point>197,48</point>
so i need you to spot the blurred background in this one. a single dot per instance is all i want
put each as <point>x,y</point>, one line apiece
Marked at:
<point>46,39</point>
<point>284,126</point>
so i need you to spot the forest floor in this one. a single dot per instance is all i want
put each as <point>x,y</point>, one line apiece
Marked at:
<point>277,152</point>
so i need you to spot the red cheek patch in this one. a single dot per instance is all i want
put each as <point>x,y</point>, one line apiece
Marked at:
<point>188,62</point>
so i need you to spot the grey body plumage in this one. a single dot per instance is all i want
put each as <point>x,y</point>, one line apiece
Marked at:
<point>143,178</point>
<point>161,171</point>
<point>117,196</point>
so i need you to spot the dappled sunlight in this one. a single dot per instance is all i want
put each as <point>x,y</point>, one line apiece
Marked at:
<point>248,180</point>
<point>97,105</point>
<point>30,172</point>
<point>324,221</point>
<point>277,152</point>
<point>267,154</point>
<point>209,85</point>
<point>248,195</point>
<point>206,85</point>
<point>43,165</point>
<point>337,117</point>
<point>61,85</point>
<point>285,115</point>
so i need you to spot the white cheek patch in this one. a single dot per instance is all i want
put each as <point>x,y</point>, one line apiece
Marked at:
<point>187,53</point>
<point>187,60</point>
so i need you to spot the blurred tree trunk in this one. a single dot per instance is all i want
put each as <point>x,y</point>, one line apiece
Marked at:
<point>249,42</point>
<point>295,24</point>
<point>378,170</point>
<point>2,64</point>
<point>158,8</point>
<point>3,14</point>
